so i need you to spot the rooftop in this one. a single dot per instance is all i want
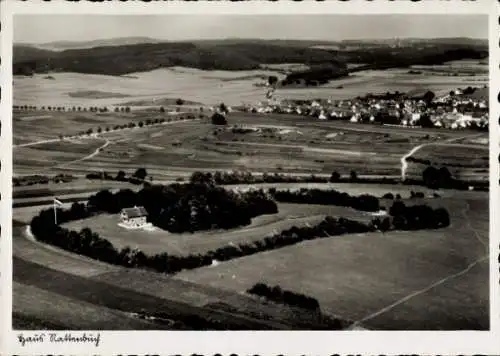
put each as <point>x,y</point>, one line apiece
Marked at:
<point>135,212</point>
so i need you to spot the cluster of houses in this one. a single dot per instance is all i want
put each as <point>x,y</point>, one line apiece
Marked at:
<point>455,110</point>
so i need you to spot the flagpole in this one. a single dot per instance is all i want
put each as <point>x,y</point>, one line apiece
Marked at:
<point>55,212</point>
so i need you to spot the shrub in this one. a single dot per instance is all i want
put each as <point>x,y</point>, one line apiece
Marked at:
<point>278,295</point>
<point>219,119</point>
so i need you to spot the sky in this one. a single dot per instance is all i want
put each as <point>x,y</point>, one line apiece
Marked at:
<point>48,28</point>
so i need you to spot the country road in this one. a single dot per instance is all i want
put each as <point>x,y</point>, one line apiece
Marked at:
<point>89,156</point>
<point>448,142</point>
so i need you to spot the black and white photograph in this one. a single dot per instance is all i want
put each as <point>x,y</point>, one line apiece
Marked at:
<point>229,172</point>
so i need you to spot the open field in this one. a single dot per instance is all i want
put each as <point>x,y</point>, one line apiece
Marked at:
<point>464,160</point>
<point>69,313</point>
<point>268,143</point>
<point>389,267</point>
<point>232,87</point>
<point>117,293</point>
<point>77,186</point>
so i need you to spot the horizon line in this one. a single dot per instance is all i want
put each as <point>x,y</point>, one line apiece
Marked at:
<point>256,39</point>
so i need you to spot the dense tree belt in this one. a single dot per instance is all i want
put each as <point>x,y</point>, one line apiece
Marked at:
<point>179,207</point>
<point>239,55</point>
<point>198,206</point>
<point>364,202</point>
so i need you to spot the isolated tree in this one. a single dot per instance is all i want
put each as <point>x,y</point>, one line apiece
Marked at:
<point>140,173</point>
<point>335,177</point>
<point>179,101</point>
<point>218,119</point>
<point>425,121</point>
<point>141,124</point>
<point>127,109</point>
<point>429,96</point>
<point>354,176</point>
<point>397,208</point>
<point>441,217</point>
<point>120,176</point>
<point>385,224</point>
<point>99,129</point>
<point>272,79</point>
<point>162,109</point>
<point>223,108</point>
<point>444,177</point>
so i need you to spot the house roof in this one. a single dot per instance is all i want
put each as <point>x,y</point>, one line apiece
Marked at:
<point>135,212</point>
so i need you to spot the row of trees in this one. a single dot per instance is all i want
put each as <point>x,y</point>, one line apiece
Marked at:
<point>363,202</point>
<point>102,109</point>
<point>242,177</point>
<point>41,179</point>
<point>138,177</point>
<point>418,217</point>
<point>278,295</point>
<point>88,243</point>
<point>130,125</point>
<point>92,245</point>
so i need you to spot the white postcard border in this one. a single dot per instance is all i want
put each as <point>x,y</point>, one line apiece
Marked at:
<point>260,342</point>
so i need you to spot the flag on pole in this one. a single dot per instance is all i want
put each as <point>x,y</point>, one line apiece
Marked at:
<point>58,202</point>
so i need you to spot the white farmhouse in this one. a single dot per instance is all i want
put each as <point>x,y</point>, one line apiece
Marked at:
<point>134,217</point>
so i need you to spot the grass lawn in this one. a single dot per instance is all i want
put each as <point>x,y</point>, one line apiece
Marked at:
<point>186,243</point>
<point>354,276</point>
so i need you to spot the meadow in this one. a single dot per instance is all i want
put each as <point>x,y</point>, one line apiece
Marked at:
<point>389,268</point>
<point>231,87</point>
<point>152,242</point>
<point>275,143</point>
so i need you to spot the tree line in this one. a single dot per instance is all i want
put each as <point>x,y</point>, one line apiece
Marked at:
<point>130,125</point>
<point>178,207</point>
<point>244,177</point>
<point>138,177</point>
<point>102,109</point>
<point>90,244</point>
<point>278,295</point>
<point>365,202</point>
<point>417,217</point>
<point>41,179</point>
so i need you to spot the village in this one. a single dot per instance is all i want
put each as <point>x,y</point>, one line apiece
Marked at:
<point>458,109</point>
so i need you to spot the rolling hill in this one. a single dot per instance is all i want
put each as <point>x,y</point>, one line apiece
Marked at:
<point>125,56</point>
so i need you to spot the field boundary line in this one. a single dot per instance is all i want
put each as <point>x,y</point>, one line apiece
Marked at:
<point>93,154</point>
<point>419,292</point>
<point>476,235</point>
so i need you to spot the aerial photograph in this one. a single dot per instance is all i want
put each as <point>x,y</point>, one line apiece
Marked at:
<point>238,172</point>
